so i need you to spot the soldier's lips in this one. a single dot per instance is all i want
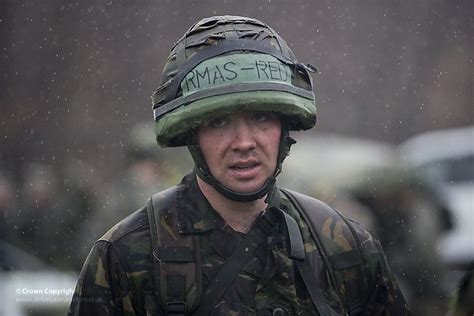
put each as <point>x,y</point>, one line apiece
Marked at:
<point>245,170</point>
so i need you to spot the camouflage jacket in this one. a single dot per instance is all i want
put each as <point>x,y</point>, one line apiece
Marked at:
<point>118,272</point>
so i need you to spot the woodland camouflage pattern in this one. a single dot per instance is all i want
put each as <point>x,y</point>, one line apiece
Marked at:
<point>118,272</point>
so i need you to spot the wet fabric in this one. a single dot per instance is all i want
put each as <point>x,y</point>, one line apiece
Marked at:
<point>117,275</point>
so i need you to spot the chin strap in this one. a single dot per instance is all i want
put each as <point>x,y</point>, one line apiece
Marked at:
<point>203,172</point>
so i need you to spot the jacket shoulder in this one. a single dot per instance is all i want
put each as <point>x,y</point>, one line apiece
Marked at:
<point>134,231</point>
<point>328,223</point>
<point>137,221</point>
<point>346,247</point>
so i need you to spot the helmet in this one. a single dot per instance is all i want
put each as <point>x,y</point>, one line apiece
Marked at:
<point>225,64</point>
<point>228,64</point>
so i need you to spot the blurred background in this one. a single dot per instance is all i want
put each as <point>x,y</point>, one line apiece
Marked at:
<point>393,146</point>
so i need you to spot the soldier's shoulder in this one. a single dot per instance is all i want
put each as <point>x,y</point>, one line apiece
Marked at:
<point>324,218</point>
<point>130,228</point>
<point>309,205</point>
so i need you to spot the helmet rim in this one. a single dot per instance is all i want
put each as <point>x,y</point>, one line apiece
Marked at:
<point>173,128</point>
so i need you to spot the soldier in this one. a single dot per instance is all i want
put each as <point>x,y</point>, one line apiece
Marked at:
<point>226,240</point>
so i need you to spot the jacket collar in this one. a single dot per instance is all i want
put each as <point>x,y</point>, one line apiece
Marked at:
<point>194,213</point>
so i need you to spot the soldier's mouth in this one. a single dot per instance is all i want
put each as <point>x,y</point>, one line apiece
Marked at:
<point>245,170</point>
<point>244,166</point>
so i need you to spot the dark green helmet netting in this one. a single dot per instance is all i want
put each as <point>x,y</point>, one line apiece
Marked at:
<point>228,64</point>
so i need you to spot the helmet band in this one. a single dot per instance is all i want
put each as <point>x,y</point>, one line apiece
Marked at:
<point>169,90</point>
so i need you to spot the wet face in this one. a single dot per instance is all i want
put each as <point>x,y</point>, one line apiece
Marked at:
<point>241,149</point>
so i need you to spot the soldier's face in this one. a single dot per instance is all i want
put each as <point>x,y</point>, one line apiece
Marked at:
<point>241,149</point>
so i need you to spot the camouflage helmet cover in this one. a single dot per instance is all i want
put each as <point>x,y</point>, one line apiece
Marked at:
<point>225,64</point>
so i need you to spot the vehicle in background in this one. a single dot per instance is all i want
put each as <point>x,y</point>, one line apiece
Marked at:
<point>445,160</point>
<point>334,161</point>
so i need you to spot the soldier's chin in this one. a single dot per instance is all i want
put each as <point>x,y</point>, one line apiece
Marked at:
<point>246,189</point>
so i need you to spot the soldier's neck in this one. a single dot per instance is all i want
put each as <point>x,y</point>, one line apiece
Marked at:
<point>238,215</point>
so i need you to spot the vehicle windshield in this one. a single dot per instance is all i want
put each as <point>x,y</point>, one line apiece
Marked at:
<point>452,171</point>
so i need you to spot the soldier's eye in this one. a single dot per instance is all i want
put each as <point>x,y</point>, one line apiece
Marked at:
<point>218,122</point>
<point>262,116</point>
